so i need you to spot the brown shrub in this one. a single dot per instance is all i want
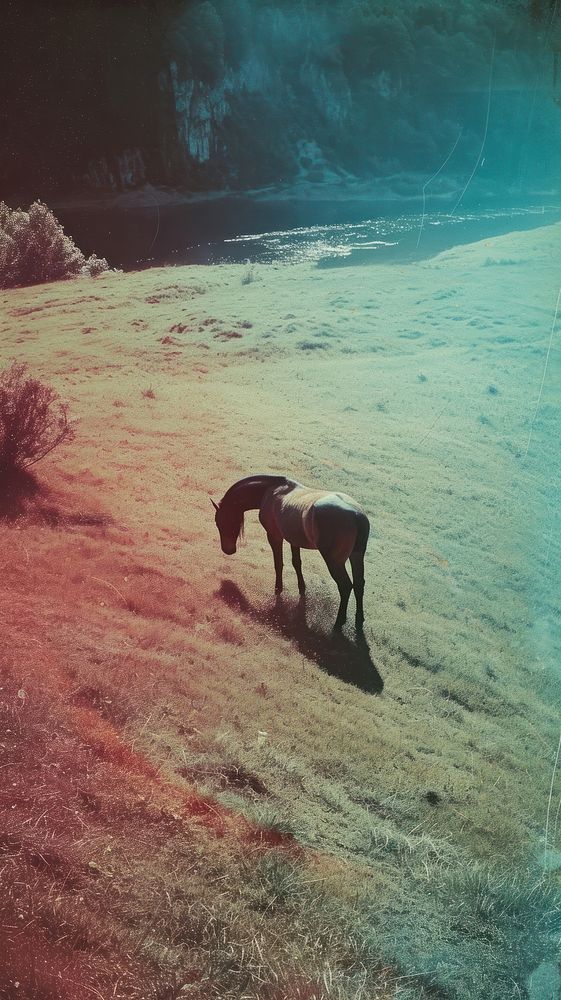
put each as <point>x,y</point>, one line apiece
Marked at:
<point>33,420</point>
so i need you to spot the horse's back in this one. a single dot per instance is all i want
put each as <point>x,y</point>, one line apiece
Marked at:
<point>339,501</point>
<point>320,519</point>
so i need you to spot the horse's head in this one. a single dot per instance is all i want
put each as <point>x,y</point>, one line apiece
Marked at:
<point>229,523</point>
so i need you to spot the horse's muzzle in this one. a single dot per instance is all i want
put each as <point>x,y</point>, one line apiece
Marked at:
<point>228,550</point>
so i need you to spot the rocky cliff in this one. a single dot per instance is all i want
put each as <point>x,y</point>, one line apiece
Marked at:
<point>237,94</point>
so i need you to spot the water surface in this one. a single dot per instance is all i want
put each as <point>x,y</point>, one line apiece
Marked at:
<point>233,230</point>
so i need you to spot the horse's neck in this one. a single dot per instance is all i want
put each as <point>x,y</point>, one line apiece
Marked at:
<point>248,493</point>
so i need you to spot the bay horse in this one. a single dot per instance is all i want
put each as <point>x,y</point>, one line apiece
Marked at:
<point>331,522</point>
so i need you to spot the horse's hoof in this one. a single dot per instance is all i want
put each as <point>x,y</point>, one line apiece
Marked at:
<point>338,627</point>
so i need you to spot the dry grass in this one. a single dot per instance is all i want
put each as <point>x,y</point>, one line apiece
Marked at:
<point>137,884</point>
<point>193,792</point>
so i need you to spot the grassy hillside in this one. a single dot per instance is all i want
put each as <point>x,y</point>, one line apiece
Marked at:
<point>204,793</point>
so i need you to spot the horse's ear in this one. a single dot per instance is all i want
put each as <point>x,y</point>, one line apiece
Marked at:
<point>215,505</point>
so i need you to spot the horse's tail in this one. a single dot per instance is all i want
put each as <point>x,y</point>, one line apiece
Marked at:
<point>362,533</point>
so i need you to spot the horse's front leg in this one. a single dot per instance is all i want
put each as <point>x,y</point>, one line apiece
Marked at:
<point>297,563</point>
<point>275,541</point>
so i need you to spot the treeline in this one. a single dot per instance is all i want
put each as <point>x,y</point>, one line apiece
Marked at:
<point>355,35</point>
<point>365,87</point>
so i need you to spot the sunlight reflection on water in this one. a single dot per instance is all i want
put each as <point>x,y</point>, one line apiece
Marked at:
<point>384,238</point>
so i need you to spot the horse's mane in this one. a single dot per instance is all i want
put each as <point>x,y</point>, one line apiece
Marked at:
<point>251,480</point>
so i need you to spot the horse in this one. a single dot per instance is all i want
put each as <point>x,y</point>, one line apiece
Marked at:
<point>331,522</point>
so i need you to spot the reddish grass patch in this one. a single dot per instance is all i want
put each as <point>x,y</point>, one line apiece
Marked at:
<point>225,776</point>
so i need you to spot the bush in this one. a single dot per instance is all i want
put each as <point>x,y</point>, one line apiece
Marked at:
<point>34,248</point>
<point>33,420</point>
<point>94,266</point>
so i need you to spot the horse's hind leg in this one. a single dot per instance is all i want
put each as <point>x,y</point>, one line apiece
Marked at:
<point>357,564</point>
<point>297,563</point>
<point>342,579</point>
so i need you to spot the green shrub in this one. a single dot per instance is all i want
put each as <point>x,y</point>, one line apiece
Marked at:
<point>33,420</point>
<point>34,248</point>
<point>94,266</point>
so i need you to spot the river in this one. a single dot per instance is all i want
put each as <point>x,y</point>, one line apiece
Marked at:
<point>330,233</point>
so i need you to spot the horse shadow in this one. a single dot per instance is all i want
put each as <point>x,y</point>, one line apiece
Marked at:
<point>332,652</point>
